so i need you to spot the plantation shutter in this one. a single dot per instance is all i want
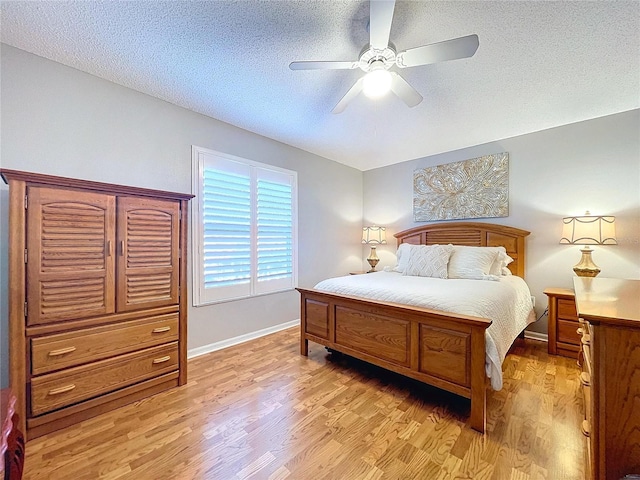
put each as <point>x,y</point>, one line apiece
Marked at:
<point>274,224</point>
<point>246,228</point>
<point>226,220</point>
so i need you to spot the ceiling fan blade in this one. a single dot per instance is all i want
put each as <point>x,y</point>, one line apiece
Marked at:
<point>350,95</point>
<point>380,18</point>
<point>462,47</point>
<point>323,65</point>
<point>406,92</point>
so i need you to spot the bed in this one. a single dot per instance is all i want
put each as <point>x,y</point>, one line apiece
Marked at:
<point>441,348</point>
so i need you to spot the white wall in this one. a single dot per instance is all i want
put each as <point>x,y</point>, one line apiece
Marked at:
<point>592,165</point>
<point>59,121</point>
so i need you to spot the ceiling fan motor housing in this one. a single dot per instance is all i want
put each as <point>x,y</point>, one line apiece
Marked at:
<point>371,58</point>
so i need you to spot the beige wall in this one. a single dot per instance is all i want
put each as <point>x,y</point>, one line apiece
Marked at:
<point>592,165</point>
<point>60,121</point>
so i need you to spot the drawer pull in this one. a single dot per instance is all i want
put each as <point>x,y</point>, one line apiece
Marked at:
<point>580,331</point>
<point>161,329</point>
<point>580,360</point>
<point>58,391</point>
<point>161,359</point>
<point>61,351</point>
<point>586,428</point>
<point>585,379</point>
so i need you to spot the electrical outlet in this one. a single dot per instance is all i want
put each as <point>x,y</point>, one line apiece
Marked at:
<point>533,301</point>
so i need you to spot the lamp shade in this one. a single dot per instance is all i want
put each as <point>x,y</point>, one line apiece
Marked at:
<point>374,235</point>
<point>589,230</point>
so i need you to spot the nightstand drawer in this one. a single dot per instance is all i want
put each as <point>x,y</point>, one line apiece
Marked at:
<point>567,309</point>
<point>568,332</point>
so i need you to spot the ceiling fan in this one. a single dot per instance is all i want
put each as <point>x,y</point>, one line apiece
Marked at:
<point>379,56</point>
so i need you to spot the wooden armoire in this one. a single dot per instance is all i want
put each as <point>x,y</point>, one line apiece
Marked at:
<point>97,296</point>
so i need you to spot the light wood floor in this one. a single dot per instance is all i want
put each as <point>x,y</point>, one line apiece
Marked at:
<point>260,410</point>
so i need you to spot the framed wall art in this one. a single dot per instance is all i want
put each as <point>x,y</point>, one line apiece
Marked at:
<point>475,188</point>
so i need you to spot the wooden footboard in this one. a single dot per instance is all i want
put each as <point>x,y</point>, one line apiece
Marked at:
<point>441,349</point>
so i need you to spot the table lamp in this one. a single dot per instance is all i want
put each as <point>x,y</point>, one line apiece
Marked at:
<point>373,236</point>
<point>588,230</point>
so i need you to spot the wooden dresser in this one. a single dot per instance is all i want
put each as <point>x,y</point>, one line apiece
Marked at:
<point>563,323</point>
<point>97,298</point>
<point>610,311</point>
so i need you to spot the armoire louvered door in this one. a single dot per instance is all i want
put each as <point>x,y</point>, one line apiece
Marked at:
<point>70,255</point>
<point>148,253</point>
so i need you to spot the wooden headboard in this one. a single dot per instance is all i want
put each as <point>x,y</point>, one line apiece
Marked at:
<point>474,234</point>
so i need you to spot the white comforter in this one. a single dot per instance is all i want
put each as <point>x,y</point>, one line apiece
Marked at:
<point>506,302</point>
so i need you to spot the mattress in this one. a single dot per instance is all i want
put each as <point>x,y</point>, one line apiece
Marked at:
<point>506,301</point>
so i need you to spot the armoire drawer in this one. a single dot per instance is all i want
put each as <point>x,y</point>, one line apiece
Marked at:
<point>63,350</point>
<point>56,390</point>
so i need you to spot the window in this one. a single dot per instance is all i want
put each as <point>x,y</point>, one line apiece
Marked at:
<point>245,227</point>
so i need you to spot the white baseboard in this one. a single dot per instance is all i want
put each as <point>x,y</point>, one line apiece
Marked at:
<point>543,337</point>
<point>212,347</point>
<point>230,342</point>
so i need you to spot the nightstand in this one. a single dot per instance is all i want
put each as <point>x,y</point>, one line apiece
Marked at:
<point>563,323</point>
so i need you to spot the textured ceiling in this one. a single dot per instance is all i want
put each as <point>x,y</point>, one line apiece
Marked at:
<point>539,65</point>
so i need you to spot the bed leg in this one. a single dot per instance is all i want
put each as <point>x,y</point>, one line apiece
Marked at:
<point>478,417</point>
<point>304,343</point>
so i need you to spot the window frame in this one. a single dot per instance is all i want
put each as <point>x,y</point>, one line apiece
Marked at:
<point>202,296</point>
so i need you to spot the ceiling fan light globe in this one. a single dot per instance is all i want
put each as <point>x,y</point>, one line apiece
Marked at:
<point>376,83</point>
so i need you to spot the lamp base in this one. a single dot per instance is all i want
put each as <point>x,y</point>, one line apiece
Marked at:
<point>373,260</point>
<point>586,267</point>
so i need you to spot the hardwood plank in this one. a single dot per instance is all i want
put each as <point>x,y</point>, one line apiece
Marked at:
<point>260,410</point>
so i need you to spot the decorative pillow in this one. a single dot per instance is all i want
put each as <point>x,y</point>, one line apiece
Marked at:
<point>501,261</point>
<point>402,255</point>
<point>472,262</point>
<point>428,261</point>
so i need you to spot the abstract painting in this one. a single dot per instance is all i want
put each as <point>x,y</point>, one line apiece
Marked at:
<point>475,188</point>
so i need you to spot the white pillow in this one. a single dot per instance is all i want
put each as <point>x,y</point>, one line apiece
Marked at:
<point>427,261</point>
<point>472,262</point>
<point>501,261</point>
<point>402,255</point>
